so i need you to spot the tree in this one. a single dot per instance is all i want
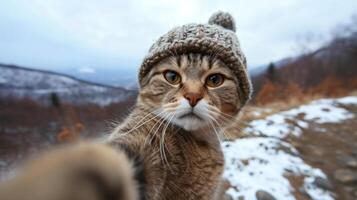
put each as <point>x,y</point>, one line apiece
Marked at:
<point>55,101</point>
<point>271,73</point>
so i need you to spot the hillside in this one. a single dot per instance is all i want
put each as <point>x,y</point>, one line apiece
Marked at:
<point>328,71</point>
<point>305,152</point>
<point>20,82</point>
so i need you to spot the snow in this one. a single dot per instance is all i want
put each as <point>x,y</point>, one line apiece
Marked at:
<point>264,160</point>
<point>320,111</point>
<point>347,100</point>
<point>260,164</point>
<point>260,111</point>
<point>2,80</point>
<point>273,126</point>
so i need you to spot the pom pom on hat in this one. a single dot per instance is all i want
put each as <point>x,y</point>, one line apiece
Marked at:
<point>223,19</point>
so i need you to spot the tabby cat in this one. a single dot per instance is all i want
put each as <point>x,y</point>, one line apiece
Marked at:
<point>167,148</point>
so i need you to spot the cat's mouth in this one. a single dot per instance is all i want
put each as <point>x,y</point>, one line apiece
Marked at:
<point>190,115</point>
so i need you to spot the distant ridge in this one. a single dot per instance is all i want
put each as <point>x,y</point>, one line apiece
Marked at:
<point>59,74</point>
<point>19,82</point>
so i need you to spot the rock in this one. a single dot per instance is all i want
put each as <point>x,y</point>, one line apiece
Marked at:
<point>352,163</point>
<point>303,191</point>
<point>323,183</point>
<point>227,197</point>
<point>345,176</point>
<point>348,189</point>
<point>264,195</point>
<point>3,163</point>
<point>349,161</point>
<point>354,151</point>
<point>355,193</point>
<point>318,152</point>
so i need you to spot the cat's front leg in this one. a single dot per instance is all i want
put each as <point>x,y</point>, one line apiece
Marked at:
<point>83,171</point>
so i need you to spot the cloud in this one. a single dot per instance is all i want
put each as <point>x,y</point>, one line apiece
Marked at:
<point>86,70</point>
<point>110,34</point>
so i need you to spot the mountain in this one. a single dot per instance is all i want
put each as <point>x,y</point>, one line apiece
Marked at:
<point>126,78</point>
<point>40,85</point>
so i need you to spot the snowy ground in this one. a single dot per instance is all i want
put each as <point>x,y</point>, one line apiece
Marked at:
<point>264,160</point>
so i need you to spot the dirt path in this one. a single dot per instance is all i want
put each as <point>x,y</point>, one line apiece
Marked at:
<point>333,148</point>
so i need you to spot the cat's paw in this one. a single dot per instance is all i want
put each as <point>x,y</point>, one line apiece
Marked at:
<point>84,171</point>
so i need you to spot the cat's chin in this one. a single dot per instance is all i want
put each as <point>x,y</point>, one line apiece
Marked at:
<point>190,122</point>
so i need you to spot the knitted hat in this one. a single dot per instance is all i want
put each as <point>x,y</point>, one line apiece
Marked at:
<point>215,38</point>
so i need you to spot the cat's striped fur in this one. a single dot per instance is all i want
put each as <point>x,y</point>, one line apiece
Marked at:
<point>167,148</point>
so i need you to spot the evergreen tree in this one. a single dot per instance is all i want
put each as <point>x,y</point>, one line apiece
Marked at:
<point>271,72</point>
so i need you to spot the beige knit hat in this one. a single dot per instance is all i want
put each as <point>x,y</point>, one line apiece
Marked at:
<point>215,38</point>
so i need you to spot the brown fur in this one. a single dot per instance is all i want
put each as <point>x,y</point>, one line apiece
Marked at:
<point>150,155</point>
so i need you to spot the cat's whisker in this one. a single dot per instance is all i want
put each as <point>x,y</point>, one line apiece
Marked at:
<point>222,114</point>
<point>225,119</point>
<point>158,128</point>
<point>233,120</point>
<point>214,130</point>
<point>170,110</point>
<point>219,111</point>
<point>210,120</point>
<point>163,140</point>
<point>222,130</point>
<point>137,126</point>
<point>170,104</point>
<point>152,128</point>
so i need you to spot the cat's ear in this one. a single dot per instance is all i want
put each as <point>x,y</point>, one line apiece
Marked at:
<point>223,19</point>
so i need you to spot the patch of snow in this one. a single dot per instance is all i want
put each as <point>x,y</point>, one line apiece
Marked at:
<point>321,111</point>
<point>256,113</point>
<point>259,163</point>
<point>272,126</point>
<point>262,163</point>
<point>3,80</point>
<point>260,111</point>
<point>347,100</point>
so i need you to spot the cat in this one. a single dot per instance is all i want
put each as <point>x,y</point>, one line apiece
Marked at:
<point>171,138</point>
<point>169,146</point>
<point>175,126</point>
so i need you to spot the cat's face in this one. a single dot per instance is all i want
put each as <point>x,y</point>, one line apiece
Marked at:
<point>192,91</point>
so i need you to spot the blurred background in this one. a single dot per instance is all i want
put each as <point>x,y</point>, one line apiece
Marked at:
<point>68,70</point>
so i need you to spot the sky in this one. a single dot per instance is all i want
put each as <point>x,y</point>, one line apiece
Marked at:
<point>105,34</point>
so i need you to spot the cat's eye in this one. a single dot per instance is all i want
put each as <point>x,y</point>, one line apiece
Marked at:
<point>214,80</point>
<point>172,77</point>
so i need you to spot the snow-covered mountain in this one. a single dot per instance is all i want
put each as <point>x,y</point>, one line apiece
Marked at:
<point>121,77</point>
<point>21,82</point>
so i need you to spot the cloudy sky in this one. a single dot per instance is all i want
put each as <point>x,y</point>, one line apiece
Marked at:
<point>60,34</point>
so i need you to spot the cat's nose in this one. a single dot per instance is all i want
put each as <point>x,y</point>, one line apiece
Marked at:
<point>193,98</point>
